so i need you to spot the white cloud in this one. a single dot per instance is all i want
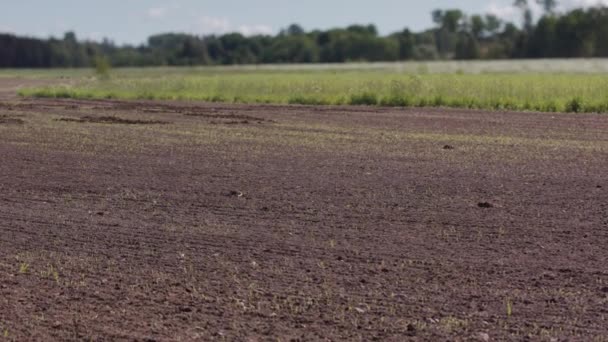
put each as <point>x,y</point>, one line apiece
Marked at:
<point>250,30</point>
<point>504,12</point>
<point>511,13</point>
<point>162,11</point>
<point>157,12</point>
<point>206,25</point>
<point>213,25</point>
<point>583,3</point>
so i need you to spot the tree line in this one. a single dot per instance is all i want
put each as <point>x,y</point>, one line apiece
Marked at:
<point>455,35</point>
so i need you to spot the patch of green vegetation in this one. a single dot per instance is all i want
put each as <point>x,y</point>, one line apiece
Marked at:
<point>366,99</point>
<point>102,67</point>
<point>577,93</point>
<point>509,304</point>
<point>24,267</point>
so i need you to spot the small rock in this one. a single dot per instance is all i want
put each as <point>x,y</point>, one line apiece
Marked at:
<point>235,193</point>
<point>483,337</point>
<point>359,310</point>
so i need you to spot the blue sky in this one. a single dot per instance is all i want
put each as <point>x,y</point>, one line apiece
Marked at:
<point>132,21</point>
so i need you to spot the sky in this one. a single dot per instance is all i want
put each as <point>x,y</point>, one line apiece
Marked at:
<point>133,21</point>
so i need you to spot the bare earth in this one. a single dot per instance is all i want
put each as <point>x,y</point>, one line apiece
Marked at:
<point>192,221</point>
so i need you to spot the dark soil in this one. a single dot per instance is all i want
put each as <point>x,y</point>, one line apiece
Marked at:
<point>328,223</point>
<point>112,120</point>
<point>10,120</point>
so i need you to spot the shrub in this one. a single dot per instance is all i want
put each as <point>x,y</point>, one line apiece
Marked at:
<point>438,101</point>
<point>102,67</point>
<point>575,105</point>
<point>396,101</point>
<point>306,100</point>
<point>366,99</point>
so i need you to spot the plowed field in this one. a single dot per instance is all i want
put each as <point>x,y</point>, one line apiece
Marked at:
<point>190,221</point>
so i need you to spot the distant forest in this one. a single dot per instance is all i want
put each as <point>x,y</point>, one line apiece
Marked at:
<point>455,35</point>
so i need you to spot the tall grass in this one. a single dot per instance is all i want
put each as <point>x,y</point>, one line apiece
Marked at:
<point>498,91</point>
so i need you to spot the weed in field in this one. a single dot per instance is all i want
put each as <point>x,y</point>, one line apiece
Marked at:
<point>575,105</point>
<point>304,100</point>
<point>52,273</point>
<point>367,99</point>
<point>509,305</point>
<point>396,101</point>
<point>24,268</point>
<point>501,231</point>
<point>452,324</point>
<point>102,67</point>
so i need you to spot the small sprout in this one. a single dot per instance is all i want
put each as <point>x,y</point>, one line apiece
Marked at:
<point>24,267</point>
<point>53,273</point>
<point>509,307</point>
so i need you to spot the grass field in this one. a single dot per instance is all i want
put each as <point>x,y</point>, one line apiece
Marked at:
<point>549,86</point>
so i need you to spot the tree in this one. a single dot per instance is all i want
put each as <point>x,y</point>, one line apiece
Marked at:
<point>467,47</point>
<point>451,19</point>
<point>577,33</point>
<point>363,29</point>
<point>493,24</point>
<point>548,6</point>
<point>295,30</point>
<point>407,44</point>
<point>526,13</point>
<point>478,26</point>
<point>437,16</point>
<point>448,19</point>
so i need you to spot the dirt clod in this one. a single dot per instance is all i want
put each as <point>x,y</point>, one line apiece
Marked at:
<point>10,120</point>
<point>483,337</point>
<point>235,193</point>
<point>485,205</point>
